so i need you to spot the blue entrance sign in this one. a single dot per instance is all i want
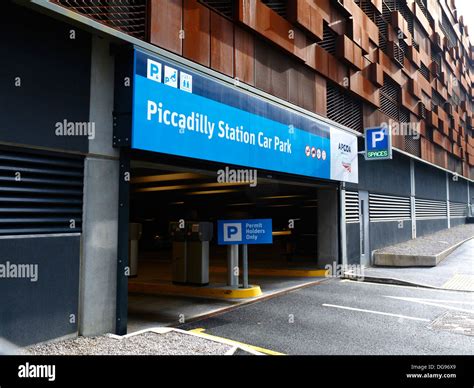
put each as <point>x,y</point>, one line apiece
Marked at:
<point>378,143</point>
<point>233,232</point>
<point>185,113</point>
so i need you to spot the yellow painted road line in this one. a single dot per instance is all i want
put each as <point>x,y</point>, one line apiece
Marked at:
<point>283,272</point>
<point>201,330</point>
<point>206,291</point>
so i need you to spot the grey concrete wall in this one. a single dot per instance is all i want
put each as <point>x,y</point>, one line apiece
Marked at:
<point>353,243</point>
<point>45,308</point>
<point>430,182</point>
<point>457,190</point>
<point>384,176</point>
<point>102,98</point>
<point>383,234</point>
<point>98,283</point>
<point>457,221</point>
<point>328,227</point>
<point>424,227</point>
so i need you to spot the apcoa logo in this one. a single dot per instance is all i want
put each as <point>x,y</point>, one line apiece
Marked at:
<point>344,147</point>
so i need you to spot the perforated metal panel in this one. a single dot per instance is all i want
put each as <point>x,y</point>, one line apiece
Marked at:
<point>388,208</point>
<point>352,207</point>
<point>424,71</point>
<point>343,108</point>
<point>430,209</point>
<point>279,6</point>
<point>368,8</point>
<point>329,40</point>
<point>224,7</point>
<point>424,10</point>
<point>40,193</point>
<point>128,16</point>
<point>448,30</point>
<point>390,98</point>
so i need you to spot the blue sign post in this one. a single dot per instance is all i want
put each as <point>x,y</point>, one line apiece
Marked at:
<point>242,232</point>
<point>378,143</point>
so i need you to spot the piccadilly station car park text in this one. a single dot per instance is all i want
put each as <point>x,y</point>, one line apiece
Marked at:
<point>200,123</point>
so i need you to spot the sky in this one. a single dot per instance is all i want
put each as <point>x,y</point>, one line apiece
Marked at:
<point>466,8</point>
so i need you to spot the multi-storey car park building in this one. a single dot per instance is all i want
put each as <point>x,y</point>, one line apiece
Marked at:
<point>123,111</point>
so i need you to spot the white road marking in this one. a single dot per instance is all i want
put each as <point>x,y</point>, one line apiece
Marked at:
<point>426,302</point>
<point>451,292</point>
<point>436,300</point>
<point>376,312</point>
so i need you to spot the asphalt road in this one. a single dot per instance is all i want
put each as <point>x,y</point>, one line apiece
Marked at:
<point>321,320</point>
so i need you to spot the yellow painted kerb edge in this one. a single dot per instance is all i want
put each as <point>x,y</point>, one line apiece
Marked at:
<point>201,330</point>
<point>216,292</point>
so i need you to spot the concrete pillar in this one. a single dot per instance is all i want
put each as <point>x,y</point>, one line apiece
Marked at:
<point>98,280</point>
<point>342,223</point>
<point>412,198</point>
<point>448,210</point>
<point>328,227</point>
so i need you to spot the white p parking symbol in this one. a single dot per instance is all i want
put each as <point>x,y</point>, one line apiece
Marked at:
<point>377,136</point>
<point>232,231</point>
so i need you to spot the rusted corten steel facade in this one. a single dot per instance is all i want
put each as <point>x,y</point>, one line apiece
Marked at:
<point>358,62</point>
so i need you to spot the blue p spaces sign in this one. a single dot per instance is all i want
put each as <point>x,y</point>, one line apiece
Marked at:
<point>378,143</point>
<point>254,231</point>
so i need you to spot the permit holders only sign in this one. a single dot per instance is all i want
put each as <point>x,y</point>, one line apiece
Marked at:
<point>253,231</point>
<point>178,111</point>
<point>378,143</point>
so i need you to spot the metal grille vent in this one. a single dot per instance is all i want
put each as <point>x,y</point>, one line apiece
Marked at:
<point>448,30</point>
<point>457,210</point>
<point>390,98</point>
<point>436,99</point>
<point>424,10</point>
<point>128,16</point>
<point>40,193</point>
<point>278,6</point>
<point>225,8</point>
<point>343,109</point>
<point>388,208</point>
<point>404,49</point>
<point>426,209</point>
<point>424,71</point>
<point>368,8</point>
<point>436,56</point>
<point>402,7</point>
<point>352,207</point>
<point>329,40</point>
<point>412,145</point>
